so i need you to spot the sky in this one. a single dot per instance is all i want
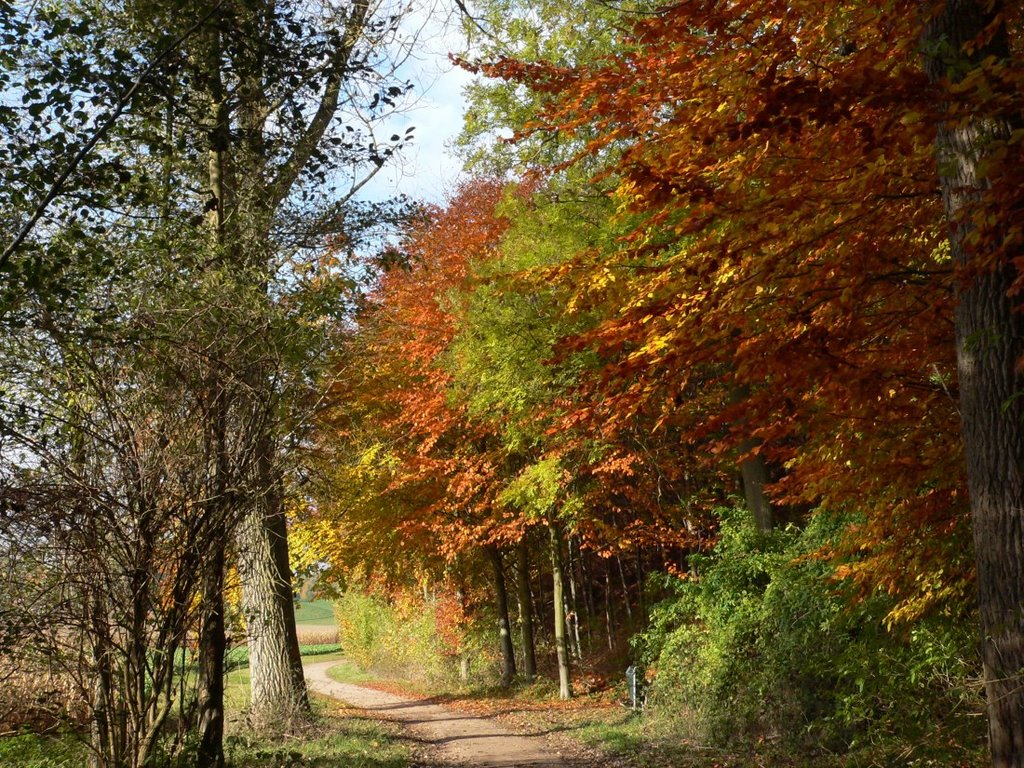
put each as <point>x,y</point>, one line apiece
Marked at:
<point>427,169</point>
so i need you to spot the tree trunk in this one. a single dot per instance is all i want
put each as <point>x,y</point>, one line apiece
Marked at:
<point>625,593</point>
<point>608,606</point>
<point>275,665</point>
<point>101,735</point>
<point>558,599</point>
<point>525,610</point>
<point>641,590</point>
<point>586,580</point>
<point>990,343</point>
<point>573,612</point>
<point>508,659</point>
<point>211,648</point>
<point>754,474</point>
<point>539,602</point>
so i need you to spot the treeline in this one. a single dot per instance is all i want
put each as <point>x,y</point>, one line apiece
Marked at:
<point>734,309</point>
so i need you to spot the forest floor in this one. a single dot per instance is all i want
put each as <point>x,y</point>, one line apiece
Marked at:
<point>468,732</point>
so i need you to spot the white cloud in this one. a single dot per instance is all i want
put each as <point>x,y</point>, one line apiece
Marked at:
<point>426,169</point>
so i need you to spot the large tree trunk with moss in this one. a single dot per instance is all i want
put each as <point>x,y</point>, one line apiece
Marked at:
<point>990,346</point>
<point>508,659</point>
<point>558,599</point>
<point>250,188</point>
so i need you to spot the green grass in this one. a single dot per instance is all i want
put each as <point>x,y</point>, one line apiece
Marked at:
<point>29,750</point>
<point>347,672</point>
<point>314,612</point>
<point>337,739</point>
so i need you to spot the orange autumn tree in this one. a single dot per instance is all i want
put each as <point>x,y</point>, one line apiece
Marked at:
<point>769,294</point>
<point>509,365</point>
<point>789,290</point>
<point>454,403</point>
<point>418,496</point>
<point>414,324</point>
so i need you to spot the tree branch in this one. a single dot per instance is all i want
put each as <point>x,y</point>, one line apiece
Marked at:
<point>119,108</point>
<point>310,139</point>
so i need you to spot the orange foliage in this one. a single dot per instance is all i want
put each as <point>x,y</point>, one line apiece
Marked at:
<point>441,485</point>
<point>776,160</point>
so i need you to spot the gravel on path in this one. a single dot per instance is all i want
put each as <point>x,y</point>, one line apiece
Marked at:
<point>449,737</point>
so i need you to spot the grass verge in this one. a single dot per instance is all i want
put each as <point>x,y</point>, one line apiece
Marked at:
<point>347,672</point>
<point>316,612</point>
<point>30,750</point>
<point>337,738</point>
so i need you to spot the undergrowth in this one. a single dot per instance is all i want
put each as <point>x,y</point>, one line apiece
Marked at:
<point>765,651</point>
<point>30,750</point>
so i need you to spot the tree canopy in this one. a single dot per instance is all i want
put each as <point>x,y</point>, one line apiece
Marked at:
<point>719,341</point>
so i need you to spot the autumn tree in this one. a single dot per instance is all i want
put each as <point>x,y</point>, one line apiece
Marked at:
<point>974,63</point>
<point>466,405</point>
<point>791,268</point>
<point>436,468</point>
<point>531,31</point>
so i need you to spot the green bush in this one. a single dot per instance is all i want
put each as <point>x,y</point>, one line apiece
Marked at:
<point>765,646</point>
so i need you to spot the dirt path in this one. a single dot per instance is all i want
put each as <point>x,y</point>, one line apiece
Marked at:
<point>450,738</point>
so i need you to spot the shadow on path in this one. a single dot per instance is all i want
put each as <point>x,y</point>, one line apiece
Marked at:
<point>448,737</point>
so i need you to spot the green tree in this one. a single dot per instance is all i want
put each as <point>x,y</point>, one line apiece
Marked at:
<point>202,154</point>
<point>532,31</point>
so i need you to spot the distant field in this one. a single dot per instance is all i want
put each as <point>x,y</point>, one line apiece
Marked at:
<point>318,612</point>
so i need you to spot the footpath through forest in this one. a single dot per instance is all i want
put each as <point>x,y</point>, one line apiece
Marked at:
<point>448,737</point>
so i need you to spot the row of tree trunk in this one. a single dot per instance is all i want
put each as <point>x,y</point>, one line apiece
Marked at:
<point>593,603</point>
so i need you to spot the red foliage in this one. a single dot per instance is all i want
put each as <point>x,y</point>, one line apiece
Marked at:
<point>787,278</point>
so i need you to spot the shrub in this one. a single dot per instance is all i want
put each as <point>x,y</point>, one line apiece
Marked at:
<point>379,635</point>
<point>29,750</point>
<point>403,637</point>
<point>765,645</point>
